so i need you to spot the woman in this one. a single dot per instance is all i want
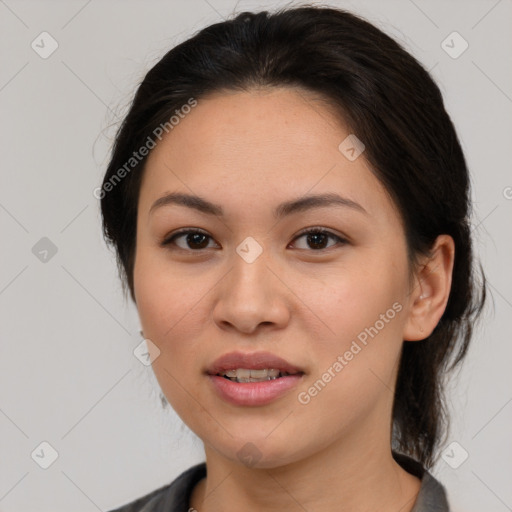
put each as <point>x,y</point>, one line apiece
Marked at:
<point>289,204</point>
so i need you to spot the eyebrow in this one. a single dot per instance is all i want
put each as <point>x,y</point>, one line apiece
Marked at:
<point>301,204</point>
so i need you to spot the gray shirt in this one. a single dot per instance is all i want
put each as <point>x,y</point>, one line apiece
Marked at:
<point>175,496</point>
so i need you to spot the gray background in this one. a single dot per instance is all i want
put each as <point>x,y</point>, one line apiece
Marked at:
<point>68,373</point>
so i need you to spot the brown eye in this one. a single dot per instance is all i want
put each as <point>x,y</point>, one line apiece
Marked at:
<point>193,240</point>
<point>317,239</point>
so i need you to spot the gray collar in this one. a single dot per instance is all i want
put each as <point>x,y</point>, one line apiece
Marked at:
<point>432,495</point>
<point>175,496</point>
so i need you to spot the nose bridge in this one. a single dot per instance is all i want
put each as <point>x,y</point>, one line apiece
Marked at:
<point>250,293</point>
<point>250,250</point>
<point>250,266</point>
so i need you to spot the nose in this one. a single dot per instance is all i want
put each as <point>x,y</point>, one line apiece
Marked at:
<point>252,296</point>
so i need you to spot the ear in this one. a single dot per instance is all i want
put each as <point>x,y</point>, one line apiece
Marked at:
<point>431,289</point>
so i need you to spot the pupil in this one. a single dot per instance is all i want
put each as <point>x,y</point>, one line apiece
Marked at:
<point>195,239</point>
<point>313,239</point>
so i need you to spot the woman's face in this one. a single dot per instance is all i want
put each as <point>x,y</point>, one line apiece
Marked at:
<point>334,308</point>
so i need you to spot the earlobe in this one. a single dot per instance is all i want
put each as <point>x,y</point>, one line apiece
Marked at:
<point>428,299</point>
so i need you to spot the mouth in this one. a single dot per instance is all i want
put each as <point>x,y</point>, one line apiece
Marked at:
<point>252,367</point>
<point>255,379</point>
<point>252,375</point>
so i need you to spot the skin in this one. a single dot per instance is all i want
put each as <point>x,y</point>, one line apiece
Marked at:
<point>248,152</point>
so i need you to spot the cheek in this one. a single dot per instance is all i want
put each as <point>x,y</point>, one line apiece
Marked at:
<point>364,312</point>
<point>353,298</point>
<point>166,310</point>
<point>166,299</point>
<point>172,306</point>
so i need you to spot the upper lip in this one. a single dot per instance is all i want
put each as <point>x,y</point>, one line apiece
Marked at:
<point>255,360</point>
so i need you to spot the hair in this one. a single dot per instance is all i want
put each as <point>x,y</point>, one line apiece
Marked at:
<point>391,103</point>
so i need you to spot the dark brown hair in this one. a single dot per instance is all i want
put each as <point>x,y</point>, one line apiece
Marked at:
<point>390,102</point>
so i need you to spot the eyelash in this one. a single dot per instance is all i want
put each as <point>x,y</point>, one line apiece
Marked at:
<point>316,230</point>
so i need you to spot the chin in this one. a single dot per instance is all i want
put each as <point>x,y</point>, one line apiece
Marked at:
<point>259,452</point>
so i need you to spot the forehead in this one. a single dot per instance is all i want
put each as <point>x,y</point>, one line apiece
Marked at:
<point>279,121</point>
<point>266,144</point>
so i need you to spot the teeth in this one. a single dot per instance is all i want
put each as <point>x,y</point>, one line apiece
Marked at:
<point>249,375</point>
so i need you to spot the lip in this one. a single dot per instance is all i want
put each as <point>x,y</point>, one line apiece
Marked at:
<point>253,393</point>
<point>255,360</point>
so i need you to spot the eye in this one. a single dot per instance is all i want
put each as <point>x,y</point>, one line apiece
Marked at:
<point>194,239</point>
<point>318,237</point>
<point>197,240</point>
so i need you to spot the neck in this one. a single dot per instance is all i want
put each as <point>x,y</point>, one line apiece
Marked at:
<point>344,476</point>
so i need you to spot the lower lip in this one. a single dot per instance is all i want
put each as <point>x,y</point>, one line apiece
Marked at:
<point>253,393</point>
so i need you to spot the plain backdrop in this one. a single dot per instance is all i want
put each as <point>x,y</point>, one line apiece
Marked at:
<point>69,377</point>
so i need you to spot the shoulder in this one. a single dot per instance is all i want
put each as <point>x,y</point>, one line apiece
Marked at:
<point>173,497</point>
<point>432,495</point>
<point>144,503</point>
